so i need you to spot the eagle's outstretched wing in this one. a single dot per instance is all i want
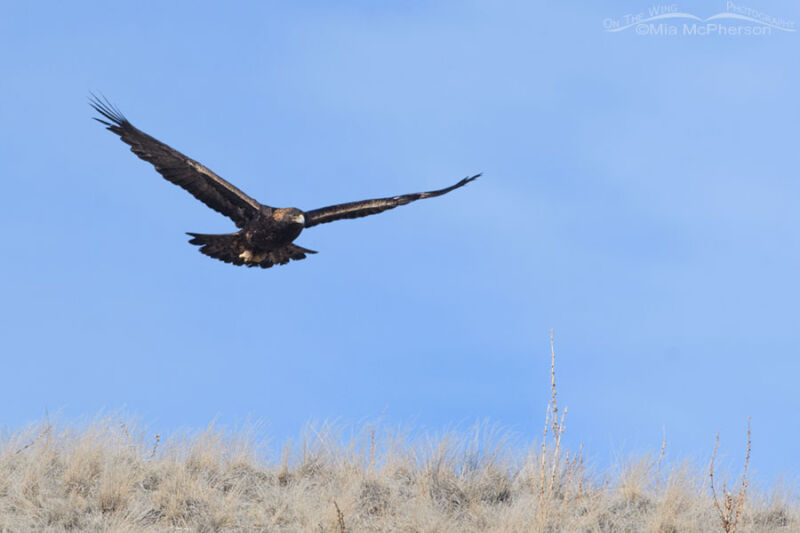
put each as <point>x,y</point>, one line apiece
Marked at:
<point>187,173</point>
<point>373,207</point>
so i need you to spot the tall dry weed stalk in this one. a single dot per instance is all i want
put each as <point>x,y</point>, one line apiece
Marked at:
<point>557,475</point>
<point>339,518</point>
<point>154,451</point>
<point>730,510</point>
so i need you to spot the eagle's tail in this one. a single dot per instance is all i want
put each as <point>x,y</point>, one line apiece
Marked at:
<point>224,247</point>
<point>231,248</point>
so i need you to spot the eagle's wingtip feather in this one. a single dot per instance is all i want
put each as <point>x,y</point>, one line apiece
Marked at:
<point>106,109</point>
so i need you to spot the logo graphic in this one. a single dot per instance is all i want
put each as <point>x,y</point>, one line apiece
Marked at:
<point>668,20</point>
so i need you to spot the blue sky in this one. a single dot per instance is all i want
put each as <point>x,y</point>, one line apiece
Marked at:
<point>639,196</point>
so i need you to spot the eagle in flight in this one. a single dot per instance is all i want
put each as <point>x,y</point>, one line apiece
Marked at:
<point>266,234</point>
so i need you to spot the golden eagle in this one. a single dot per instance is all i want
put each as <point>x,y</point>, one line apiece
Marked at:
<point>265,233</point>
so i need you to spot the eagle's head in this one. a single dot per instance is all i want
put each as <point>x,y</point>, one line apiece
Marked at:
<point>290,216</point>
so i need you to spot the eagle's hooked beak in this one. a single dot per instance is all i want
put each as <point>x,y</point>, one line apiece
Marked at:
<point>300,219</point>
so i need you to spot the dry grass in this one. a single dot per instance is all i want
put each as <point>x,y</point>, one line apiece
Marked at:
<point>112,476</point>
<point>105,477</point>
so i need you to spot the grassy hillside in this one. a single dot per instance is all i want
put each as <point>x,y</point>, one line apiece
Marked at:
<point>112,476</point>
